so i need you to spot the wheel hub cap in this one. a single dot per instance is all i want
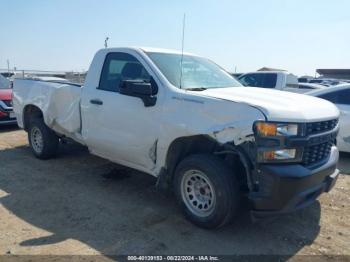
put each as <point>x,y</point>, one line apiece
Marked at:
<point>37,140</point>
<point>198,193</point>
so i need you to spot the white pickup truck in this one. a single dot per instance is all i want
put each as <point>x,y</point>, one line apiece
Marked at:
<point>183,119</point>
<point>280,80</point>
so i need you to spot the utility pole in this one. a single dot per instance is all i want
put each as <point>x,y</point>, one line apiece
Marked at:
<point>106,42</point>
<point>8,67</point>
<point>182,46</point>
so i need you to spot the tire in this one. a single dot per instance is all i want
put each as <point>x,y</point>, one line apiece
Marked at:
<point>42,140</point>
<point>214,189</point>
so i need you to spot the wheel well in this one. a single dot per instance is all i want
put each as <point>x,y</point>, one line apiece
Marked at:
<point>182,147</point>
<point>185,146</point>
<point>30,112</point>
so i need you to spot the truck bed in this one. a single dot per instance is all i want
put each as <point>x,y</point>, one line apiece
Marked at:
<point>59,102</point>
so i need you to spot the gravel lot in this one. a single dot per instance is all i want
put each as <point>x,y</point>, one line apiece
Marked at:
<point>68,206</point>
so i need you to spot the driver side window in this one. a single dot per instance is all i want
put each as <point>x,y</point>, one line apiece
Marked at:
<point>118,67</point>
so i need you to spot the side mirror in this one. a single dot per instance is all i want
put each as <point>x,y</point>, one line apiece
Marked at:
<point>143,90</point>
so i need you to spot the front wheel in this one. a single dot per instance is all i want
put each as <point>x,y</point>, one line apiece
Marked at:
<point>43,141</point>
<point>206,190</point>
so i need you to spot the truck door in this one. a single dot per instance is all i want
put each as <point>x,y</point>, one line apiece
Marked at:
<point>119,127</point>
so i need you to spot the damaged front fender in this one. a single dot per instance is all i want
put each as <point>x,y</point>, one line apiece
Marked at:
<point>238,134</point>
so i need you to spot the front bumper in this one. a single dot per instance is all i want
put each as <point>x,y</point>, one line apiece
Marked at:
<point>288,187</point>
<point>8,122</point>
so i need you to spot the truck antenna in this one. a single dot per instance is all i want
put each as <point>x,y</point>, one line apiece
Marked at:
<point>182,47</point>
<point>106,42</point>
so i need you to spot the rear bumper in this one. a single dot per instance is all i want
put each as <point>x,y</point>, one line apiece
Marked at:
<point>286,188</point>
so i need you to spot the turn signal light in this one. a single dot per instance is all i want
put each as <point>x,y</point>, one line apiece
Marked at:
<point>276,129</point>
<point>266,129</point>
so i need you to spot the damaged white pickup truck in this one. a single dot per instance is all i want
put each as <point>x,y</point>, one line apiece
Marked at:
<point>183,119</point>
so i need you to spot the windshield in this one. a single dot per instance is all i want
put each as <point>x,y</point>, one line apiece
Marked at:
<point>4,83</point>
<point>197,72</point>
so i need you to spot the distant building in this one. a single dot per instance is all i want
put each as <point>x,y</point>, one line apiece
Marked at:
<point>334,73</point>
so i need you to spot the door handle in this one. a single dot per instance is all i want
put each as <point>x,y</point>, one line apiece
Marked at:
<point>96,102</point>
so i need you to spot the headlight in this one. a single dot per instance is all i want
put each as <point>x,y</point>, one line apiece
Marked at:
<point>277,155</point>
<point>275,129</point>
<point>271,140</point>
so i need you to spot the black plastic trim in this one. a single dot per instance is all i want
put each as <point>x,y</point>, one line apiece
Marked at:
<point>287,187</point>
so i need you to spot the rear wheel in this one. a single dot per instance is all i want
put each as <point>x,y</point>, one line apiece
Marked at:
<point>43,141</point>
<point>206,190</point>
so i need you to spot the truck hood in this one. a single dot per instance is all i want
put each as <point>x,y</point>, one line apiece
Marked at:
<point>278,105</point>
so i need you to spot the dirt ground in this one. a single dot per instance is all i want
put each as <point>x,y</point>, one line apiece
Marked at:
<point>68,206</point>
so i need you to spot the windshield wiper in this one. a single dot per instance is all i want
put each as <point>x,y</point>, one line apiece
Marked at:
<point>196,89</point>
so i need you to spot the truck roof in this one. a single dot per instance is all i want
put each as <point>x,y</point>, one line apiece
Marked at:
<point>148,49</point>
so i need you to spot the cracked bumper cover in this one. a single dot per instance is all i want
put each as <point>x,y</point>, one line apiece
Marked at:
<point>286,188</point>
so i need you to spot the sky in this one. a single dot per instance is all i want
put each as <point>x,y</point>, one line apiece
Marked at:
<point>241,36</point>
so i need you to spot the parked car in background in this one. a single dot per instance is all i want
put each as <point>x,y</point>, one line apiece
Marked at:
<point>195,128</point>
<point>326,81</point>
<point>236,75</point>
<point>280,80</point>
<point>6,110</point>
<point>305,79</point>
<point>309,86</point>
<point>340,96</point>
<point>7,74</point>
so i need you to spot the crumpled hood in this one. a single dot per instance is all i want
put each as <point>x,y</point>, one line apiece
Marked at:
<point>278,105</point>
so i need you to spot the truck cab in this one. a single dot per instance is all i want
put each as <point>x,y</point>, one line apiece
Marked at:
<point>280,80</point>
